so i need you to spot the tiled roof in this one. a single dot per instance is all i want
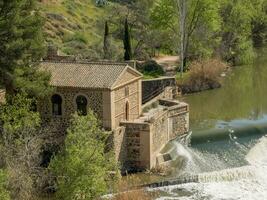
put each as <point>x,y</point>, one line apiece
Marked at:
<point>84,74</point>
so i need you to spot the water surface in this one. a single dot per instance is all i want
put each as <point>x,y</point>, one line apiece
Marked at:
<point>240,104</point>
<point>229,145</point>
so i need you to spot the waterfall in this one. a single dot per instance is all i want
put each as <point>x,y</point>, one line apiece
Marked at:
<point>258,154</point>
<point>187,160</point>
<point>202,179</point>
<point>233,174</point>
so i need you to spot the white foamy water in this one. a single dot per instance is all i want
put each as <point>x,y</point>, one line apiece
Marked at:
<point>241,183</point>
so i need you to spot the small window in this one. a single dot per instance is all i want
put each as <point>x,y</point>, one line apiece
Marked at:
<point>127,111</point>
<point>56,104</point>
<point>126,91</point>
<point>81,102</point>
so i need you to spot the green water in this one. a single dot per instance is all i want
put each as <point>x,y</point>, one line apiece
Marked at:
<point>240,104</point>
<point>229,126</point>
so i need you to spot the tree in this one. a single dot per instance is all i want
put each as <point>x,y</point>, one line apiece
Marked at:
<point>127,42</point>
<point>182,7</point>
<point>82,166</point>
<point>21,145</point>
<point>236,46</point>
<point>137,13</point>
<point>106,48</point>
<point>21,42</point>
<point>197,23</point>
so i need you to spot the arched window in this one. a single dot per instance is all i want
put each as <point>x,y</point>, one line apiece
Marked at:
<point>81,102</point>
<point>56,104</point>
<point>127,111</point>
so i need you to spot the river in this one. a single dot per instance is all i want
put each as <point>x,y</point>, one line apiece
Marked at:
<point>228,149</point>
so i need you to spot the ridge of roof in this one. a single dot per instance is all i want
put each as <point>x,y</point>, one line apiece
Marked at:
<point>86,62</point>
<point>85,74</point>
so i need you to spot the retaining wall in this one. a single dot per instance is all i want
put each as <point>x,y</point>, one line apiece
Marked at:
<point>144,140</point>
<point>154,87</point>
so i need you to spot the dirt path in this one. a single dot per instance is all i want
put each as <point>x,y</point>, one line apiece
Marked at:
<point>167,60</point>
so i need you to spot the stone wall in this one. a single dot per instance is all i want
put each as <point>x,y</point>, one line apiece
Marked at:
<point>167,93</point>
<point>119,144</point>
<point>122,97</point>
<point>145,139</point>
<point>137,141</point>
<point>68,95</point>
<point>178,119</point>
<point>152,88</point>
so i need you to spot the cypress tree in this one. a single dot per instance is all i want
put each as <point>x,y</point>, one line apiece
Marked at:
<point>106,48</point>
<point>21,42</point>
<point>127,42</point>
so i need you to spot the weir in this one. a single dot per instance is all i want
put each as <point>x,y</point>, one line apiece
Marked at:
<point>252,172</point>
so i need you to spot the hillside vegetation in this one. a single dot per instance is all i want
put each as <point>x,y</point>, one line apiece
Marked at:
<point>75,26</point>
<point>214,28</point>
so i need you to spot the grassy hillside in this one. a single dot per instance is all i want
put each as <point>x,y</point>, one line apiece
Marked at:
<point>75,26</point>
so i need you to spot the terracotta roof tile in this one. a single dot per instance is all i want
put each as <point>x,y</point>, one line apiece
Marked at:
<point>84,75</point>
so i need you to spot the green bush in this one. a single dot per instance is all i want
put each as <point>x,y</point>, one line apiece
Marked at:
<point>151,68</point>
<point>82,168</point>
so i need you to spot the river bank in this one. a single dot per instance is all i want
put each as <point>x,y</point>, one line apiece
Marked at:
<point>227,125</point>
<point>203,75</point>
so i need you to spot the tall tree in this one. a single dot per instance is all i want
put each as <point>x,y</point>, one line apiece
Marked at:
<point>127,42</point>
<point>236,46</point>
<point>21,42</point>
<point>197,23</point>
<point>106,48</point>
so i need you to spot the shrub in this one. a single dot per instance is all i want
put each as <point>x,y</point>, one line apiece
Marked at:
<point>82,168</point>
<point>151,68</point>
<point>21,142</point>
<point>203,75</point>
<point>4,194</point>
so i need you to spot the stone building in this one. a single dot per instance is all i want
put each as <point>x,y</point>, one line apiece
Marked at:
<point>111,90</point>
<point>114,92</point>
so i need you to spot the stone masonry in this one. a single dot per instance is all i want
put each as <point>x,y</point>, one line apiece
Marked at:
<point>114,92</point>
<point>148,135</point>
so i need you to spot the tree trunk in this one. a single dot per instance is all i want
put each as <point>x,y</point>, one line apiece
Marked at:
<point>8,84</point>
<point>181,4</point>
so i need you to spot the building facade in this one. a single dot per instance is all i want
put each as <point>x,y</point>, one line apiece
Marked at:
<point>113,91</point>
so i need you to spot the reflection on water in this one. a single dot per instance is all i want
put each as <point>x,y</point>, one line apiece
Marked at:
<point>242,99</point>
<point>229,143</point>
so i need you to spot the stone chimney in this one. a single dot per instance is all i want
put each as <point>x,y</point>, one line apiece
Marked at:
<point>53,55</point>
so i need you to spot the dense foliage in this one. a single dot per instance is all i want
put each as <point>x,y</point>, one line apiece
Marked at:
<point>82,166</point>
<point>226,29</point>
<point>151,68</point>
<point>21,144</point>
<point>22,47</point>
